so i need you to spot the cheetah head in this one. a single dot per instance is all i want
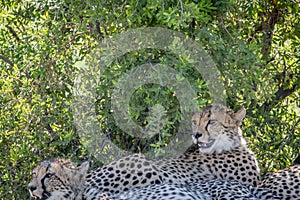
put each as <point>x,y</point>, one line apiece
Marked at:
<point>217,129</point>
<point>57,179</point>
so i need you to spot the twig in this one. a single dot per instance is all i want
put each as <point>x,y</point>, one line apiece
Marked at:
<point>222,24</point>
<point>5,59</point>
<point>181,10</point>
<point>11,30</point>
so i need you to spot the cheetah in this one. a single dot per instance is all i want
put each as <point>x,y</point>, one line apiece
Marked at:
<point>124,174</point>
<point>61,179</point>
<point>284,183</point>
<point>222,151</point>
<point>233,162</point>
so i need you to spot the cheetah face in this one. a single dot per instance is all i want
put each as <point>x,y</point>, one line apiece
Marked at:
<point>39,177</point>
<point>217,129</point>
<point>51,180</point>
<point>46,184</point>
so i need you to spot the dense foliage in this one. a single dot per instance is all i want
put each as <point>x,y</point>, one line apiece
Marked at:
<point>255,45</point>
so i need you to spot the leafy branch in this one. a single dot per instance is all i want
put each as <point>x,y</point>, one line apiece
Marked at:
<point>280,95</point>
<point>63,47</point>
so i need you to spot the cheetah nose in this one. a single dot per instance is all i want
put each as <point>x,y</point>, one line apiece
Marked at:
<point>31,188</point>
<point>197,135</point>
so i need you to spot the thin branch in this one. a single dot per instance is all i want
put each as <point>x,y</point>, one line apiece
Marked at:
<point>5,59</point>
<point>224,27</point>
<point>11,30</point>
<point>280,94</point>
<point>51,131</point>
<point>181,8</point>
<point>268,25</point>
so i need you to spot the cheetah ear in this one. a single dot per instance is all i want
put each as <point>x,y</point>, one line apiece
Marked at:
<point>195,111</point>
<point>82,169</point>
<point>76,174</point>
<point>239,115</point>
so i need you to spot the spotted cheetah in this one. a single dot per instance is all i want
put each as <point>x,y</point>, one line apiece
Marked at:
<point>233,162</point>
<point>63,180</point>
<point>222,151</point>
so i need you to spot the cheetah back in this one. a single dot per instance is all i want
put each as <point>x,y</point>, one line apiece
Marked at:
<point>127,173</point>
<point>211,189</point>
<point>239,164</point>
<point>285,182</point>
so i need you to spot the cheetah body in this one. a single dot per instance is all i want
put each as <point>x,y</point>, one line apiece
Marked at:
<point>284,183</point>
<point>221,154</point>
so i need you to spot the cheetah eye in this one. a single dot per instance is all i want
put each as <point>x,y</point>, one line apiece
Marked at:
<point>194,122</point>
<point>49,174</point>
<point>210,122</point>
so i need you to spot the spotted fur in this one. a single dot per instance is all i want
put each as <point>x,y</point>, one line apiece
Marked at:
<point>235,162</point>
<point>206,190</point>
<point>66,183</point>
<point>284,183</point>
